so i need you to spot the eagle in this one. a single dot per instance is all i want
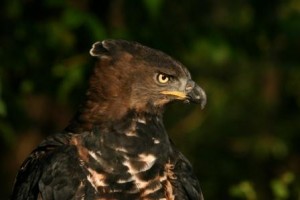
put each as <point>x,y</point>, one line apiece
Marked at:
<point>116,146</point>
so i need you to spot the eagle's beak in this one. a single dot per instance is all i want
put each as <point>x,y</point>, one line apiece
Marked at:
<point>193,93</point>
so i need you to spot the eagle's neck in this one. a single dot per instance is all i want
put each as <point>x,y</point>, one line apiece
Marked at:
<point>107,114</point>
<point>142,130</point>
<point>138,132</point>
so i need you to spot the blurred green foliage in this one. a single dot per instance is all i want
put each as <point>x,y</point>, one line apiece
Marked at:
<point>245,54</point>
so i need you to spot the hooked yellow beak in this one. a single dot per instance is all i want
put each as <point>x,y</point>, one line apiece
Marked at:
<point>192,93</point>
<point>177,94</point>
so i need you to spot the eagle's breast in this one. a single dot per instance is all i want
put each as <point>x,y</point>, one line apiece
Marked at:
<point>129,162</point>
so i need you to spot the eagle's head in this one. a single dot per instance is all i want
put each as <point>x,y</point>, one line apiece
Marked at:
<point>130,76</point>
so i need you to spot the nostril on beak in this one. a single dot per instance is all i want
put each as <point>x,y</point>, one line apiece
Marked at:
<point>189,86</point>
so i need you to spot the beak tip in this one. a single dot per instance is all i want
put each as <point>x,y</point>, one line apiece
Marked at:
<point>197,95</point>
<point>203,104</point>
<point>203,99</point>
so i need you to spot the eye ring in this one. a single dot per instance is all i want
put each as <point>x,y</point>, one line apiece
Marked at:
<point>162,78</point>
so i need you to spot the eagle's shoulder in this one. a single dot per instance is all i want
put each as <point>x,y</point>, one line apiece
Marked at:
<point>38,169</point>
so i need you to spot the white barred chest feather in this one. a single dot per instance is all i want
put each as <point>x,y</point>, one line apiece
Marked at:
<point>115,168</point>
<point>136,168</point>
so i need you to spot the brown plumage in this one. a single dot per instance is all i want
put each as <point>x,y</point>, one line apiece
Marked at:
<point>116,146</point>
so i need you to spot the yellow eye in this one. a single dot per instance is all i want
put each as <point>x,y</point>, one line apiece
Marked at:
<point>162,78</point>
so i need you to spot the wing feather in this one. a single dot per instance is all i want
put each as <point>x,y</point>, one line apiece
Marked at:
<point>26,184</point>
<point>186,183</point>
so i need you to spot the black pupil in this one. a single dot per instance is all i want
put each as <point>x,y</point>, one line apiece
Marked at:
<point>164,77</point>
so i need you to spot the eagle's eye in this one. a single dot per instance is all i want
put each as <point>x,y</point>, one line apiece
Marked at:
<point>162,78</point>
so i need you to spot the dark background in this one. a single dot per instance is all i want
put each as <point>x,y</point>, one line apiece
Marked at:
<point>246,55</point>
